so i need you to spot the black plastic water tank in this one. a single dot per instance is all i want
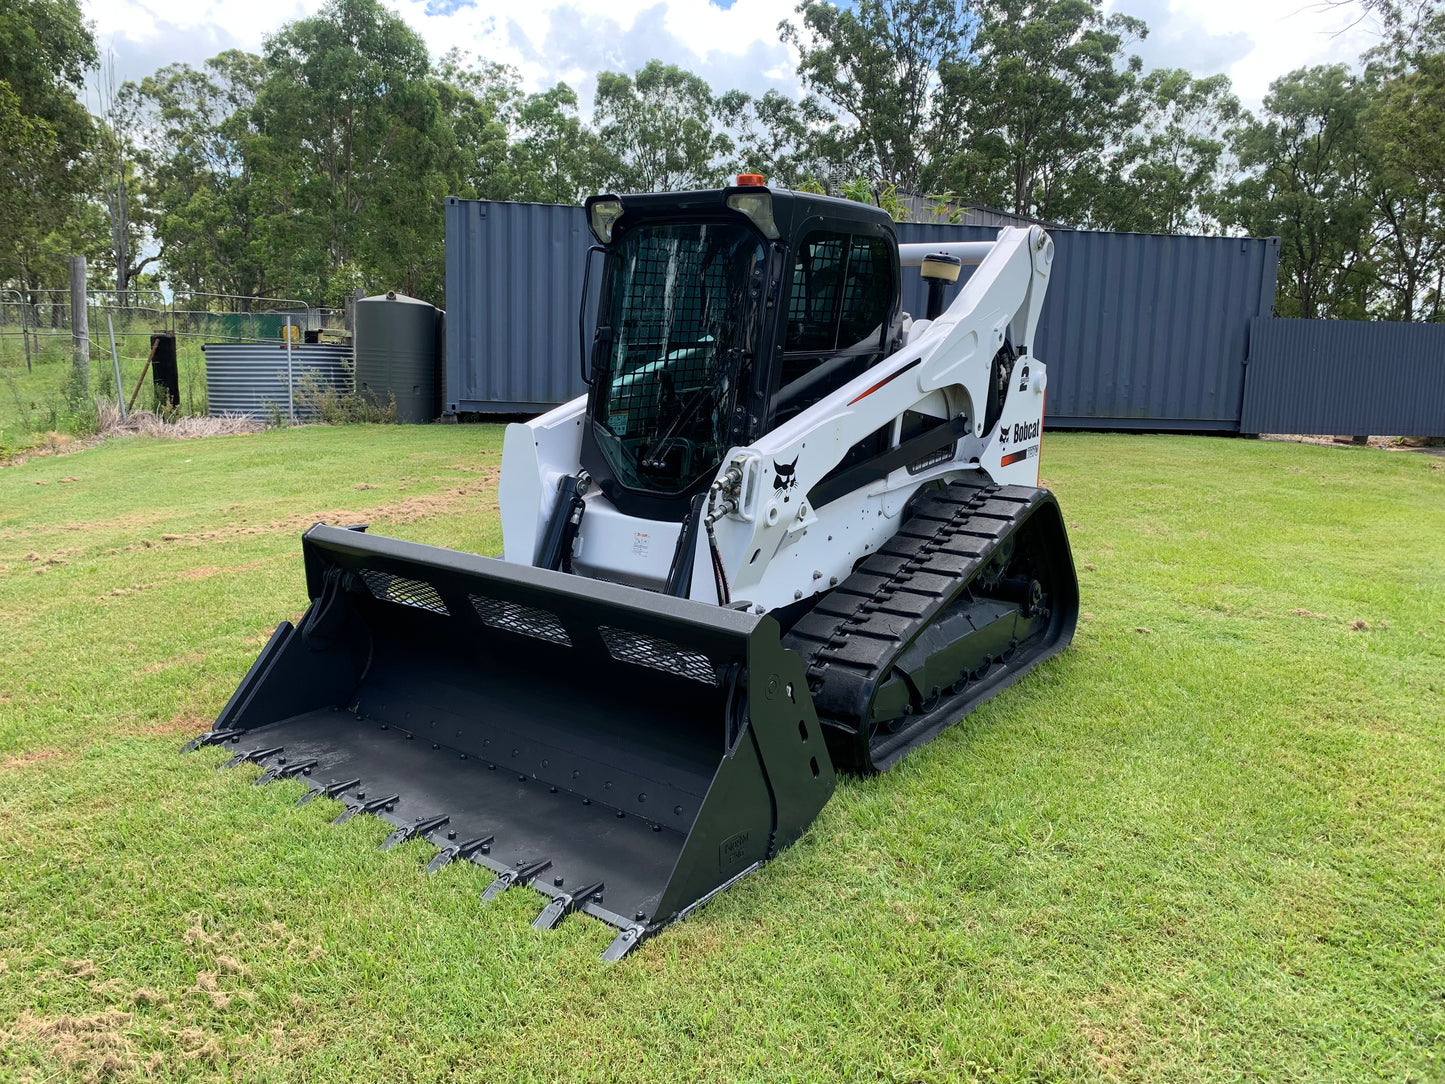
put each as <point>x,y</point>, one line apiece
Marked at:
<point>396,354</point>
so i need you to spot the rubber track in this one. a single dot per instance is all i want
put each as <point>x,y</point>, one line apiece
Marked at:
<point>849,640</point>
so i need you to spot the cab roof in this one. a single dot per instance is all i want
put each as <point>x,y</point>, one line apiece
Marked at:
<point>790,208</point>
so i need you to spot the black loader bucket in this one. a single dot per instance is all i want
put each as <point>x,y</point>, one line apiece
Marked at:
<point>625,753</point>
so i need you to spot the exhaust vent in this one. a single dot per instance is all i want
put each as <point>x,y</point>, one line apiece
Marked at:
<point>389,588</point>
<point>514,617</point>
<point>657,654</point>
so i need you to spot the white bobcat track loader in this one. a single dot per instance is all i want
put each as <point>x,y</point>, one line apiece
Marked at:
<point>787,529</point>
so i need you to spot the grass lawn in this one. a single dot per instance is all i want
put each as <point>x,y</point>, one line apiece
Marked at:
<point>1205,843</point>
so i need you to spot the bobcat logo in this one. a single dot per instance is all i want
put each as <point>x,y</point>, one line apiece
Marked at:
<point>783,479</point>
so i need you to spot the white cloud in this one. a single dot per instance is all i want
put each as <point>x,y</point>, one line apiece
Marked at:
<point>1255,41</point>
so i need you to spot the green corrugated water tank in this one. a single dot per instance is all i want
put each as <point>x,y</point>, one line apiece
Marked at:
<point>397,355</point>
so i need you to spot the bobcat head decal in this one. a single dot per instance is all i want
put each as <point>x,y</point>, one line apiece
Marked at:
<point>783,479</point>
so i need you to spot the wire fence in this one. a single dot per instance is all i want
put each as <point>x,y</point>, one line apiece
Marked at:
<point>37,346</point>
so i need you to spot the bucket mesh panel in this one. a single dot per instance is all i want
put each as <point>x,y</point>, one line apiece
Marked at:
<point>514,617</point>
<point>657,654</point>
<point>407,592</point>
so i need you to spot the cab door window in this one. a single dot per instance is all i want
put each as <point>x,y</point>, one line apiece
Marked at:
<point>840,295</point>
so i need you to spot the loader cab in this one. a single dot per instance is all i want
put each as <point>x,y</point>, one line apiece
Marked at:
<point>720,315</point>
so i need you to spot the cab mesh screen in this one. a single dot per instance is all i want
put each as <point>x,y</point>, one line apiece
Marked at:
<point>842,286</point>
<point>669,326</point>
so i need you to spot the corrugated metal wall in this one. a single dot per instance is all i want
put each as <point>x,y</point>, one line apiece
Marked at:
<point>249,379</point>
<point>1345,377</point>
<point>514,283</point>
<point>1140,331</point>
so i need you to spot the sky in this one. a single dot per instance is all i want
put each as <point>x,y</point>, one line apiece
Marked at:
<point>731,43</point>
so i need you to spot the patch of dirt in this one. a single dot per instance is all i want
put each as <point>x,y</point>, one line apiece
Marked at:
<point>55,444</point>
<point>1428,445</point>
<point>473,468</point>
<point>180,660</point>
<point>1359,626</point>
<point>120,592</point>
<point>34,756</point>
<point>1330,440</point>
<point>208,984</point>
<point>232,965</point>
<point>408,510</point>
<point>97,1042</point>
<point>1310,613</point>
<point>197,937</point>
<point>205,572</point>
<point>186,724</point>
<point>1112,1052</point>
<point>81,969</point>
<point>196,1045</point>
<point>99,1046</point>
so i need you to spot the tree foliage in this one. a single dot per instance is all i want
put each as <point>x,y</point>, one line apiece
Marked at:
<point>320,166</point>
<point>882,64</point>
<point>195,131</point>
<point>1166,174</point>
<point>1406,143</point>
<point>656,130</point>
<point>1050,91</point>
<point>47,169</point>
<point>1306,180</point>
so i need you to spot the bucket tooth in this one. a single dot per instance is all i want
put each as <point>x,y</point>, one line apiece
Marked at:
<point>370,805</point>
<point>210,737</point>
<point>460,852</point>
<point>524,874</point>
<point>328,790</point>
<point>421,827</point>
<point>285,771</point>
<point>563,905</point>
<point>627,939</point>
<point>255,756</point>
